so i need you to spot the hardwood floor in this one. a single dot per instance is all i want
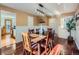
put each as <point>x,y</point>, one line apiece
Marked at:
<point>68,49</point>
<point>7,40</point>
<point>19,49</point>
<point>10,50</point>
<point>8,45</point>
<point>0,51</point>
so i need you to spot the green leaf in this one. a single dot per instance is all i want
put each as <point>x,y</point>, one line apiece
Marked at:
<point>71,25</point>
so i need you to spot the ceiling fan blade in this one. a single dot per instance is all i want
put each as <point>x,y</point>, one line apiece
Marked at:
<point>40,5</point>
<point>40,11</point>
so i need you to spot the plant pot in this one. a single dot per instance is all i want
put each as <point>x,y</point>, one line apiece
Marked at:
<point>70,40</point>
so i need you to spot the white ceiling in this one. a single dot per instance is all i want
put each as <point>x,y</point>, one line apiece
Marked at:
<point>51,8</point>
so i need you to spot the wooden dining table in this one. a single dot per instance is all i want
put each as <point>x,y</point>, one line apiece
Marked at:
<point>37,39</point>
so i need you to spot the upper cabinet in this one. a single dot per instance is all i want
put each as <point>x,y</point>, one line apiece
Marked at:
<point>38,20</point>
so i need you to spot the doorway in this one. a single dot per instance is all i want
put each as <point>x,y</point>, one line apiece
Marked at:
<point>7,33</point>
<point>8,24</point>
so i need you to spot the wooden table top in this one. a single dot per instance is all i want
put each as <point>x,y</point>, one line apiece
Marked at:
<point>38,38</point>
<point>34,35</point>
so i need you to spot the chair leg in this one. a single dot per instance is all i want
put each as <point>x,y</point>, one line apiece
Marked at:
<point>30,53</point>
<point>24,52</point>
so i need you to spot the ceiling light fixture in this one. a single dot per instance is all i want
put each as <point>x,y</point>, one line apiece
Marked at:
<point>43,10</point>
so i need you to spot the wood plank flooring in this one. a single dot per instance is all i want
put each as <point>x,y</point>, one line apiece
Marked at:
<point>69,49</point>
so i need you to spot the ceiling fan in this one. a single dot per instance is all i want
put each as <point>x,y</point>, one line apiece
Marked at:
<point>42,11</point>
<point>41,6</point>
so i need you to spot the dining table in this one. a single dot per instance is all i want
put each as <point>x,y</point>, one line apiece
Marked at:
<point>37,38</point>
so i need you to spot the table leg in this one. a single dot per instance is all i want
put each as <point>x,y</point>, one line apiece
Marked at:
<point>38,48</point>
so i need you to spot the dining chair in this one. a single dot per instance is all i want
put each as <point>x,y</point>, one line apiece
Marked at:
<point>28,46</point>
<point>51,37</point>
<point>49,43</point>
<point>31,30</point>
<point>37,31</point>
<point>57,50</point>
<point>49,40</point>
<point>46,44</point>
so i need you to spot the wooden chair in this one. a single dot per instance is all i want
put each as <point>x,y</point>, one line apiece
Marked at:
<point>57,50</point>
<point>46,44</point>
<point>31,30</point>
<point>37,31</point>
<point>49,39</point>
<point>28,46</point>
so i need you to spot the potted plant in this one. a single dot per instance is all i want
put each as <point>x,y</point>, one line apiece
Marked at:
<point>71,25</point>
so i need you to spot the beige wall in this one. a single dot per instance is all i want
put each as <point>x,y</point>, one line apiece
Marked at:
<point>21,17</point>
<point>68,14</point>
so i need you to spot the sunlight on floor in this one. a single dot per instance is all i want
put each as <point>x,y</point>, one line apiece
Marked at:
<point>8,45</point>
<point>7,40</point>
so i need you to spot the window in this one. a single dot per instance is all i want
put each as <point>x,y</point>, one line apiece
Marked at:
<point>64,20</point>
<point>30,21</point>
